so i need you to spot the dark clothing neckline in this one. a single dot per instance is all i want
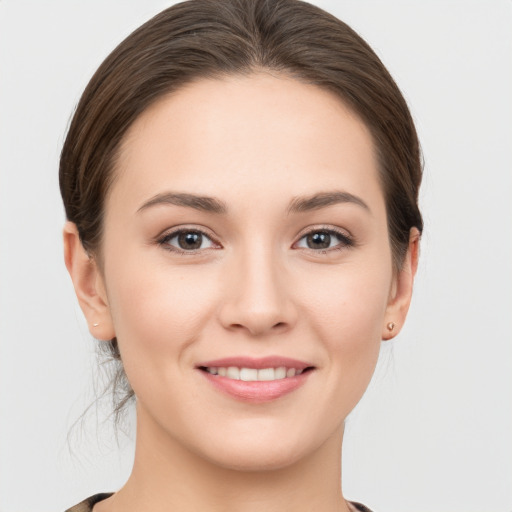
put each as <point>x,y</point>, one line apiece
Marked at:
<point>88,504</point>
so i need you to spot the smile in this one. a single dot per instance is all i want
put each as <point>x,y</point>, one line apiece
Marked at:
<point>253,374</point>
<point>256,380</point>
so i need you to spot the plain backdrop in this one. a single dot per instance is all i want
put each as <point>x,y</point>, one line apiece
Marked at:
<point>434,431</point>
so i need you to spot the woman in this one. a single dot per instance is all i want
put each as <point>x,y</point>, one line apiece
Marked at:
<point>240,181</point>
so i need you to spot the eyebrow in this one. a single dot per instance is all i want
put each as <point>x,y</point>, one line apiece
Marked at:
<point>202,203</point>
<point>324,199</point>
<point>214,205</point>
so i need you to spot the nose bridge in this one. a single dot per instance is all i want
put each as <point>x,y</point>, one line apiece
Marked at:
<point>257,299</point>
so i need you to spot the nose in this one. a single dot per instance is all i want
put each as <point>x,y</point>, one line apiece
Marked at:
<point>258,296</point>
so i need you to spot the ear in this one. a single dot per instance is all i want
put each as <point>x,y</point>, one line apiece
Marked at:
<point>89,284</point>
<point>401,290</point>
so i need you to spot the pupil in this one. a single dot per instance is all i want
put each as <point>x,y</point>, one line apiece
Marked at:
<point>319,241</point>
<point>190,240</point>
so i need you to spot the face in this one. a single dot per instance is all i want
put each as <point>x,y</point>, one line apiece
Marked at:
<point>246,268</point>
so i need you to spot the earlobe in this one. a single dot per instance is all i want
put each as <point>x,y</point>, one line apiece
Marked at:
<point>401,294</point>
<point>88,284</point>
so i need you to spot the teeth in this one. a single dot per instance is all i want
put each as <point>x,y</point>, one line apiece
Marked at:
<point>248,374</point>
<point>280,372</point>
<point>233,372</point>
<point>252,374</point>
<point>267,374</point>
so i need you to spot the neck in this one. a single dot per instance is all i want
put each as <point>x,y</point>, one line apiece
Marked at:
<point>167,476</point>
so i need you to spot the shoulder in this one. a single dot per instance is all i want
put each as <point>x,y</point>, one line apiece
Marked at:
<point>86,505</point>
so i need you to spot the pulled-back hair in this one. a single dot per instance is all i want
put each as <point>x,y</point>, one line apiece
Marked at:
<point>213,38</point>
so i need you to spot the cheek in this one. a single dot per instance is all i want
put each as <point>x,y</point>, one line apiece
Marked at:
<point>348,303</point>
<point>347,315</point>
<point>158,313</point>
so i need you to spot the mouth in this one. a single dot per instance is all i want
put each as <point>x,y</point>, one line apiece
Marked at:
<point>254,374</point>
<point>256,380</point>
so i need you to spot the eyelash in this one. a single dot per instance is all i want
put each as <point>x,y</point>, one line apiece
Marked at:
<point>165,239</point>
<point>345,241</point>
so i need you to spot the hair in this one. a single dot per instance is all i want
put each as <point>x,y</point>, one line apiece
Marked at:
<point>215,38</point>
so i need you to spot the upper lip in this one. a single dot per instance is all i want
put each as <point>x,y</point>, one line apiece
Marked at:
<point>256,363</point>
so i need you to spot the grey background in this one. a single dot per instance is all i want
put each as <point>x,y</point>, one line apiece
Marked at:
<point>434,431</point>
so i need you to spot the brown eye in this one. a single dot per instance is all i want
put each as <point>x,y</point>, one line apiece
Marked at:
<point>190,240</point>
<point>324,239</point>
<point>187,240</point>
<point>318,240</point>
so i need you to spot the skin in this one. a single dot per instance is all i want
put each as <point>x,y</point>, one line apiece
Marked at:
<point>256,143</point>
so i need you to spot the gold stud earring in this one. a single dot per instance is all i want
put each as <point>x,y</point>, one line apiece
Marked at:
<point>390,326</point>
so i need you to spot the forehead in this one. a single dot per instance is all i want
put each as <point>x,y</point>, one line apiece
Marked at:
<point>270,134</point>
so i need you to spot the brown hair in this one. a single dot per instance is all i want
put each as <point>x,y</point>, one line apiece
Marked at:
<point>211,38</point>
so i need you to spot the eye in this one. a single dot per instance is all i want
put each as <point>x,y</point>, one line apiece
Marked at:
<point>187,240</point>
<point>324,239</point>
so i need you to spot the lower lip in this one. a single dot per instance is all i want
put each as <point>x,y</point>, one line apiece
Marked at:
<point>257,391</point>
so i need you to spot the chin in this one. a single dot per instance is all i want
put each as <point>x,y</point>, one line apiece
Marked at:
<point>260,449</point>
<point>255,458</point>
